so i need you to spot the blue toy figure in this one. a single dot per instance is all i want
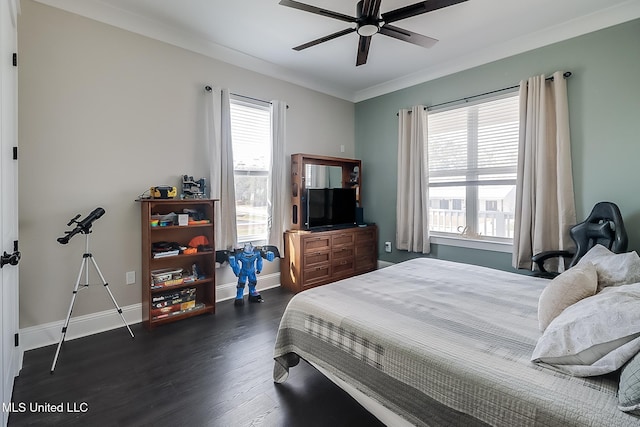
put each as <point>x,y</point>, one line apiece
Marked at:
<point>246,263</point>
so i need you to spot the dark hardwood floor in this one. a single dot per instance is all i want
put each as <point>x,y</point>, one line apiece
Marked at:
<point>210,370</point>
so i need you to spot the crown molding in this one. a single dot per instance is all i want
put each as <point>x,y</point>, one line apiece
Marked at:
<point>98,11</point>
<point>597,21</point>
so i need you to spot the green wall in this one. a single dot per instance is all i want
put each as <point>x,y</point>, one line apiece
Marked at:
<point>604,105</point>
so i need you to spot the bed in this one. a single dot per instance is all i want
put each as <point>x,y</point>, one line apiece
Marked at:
<point>432,342</point>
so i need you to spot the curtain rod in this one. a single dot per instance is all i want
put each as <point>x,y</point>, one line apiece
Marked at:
<point>209,89</point>
<point>566,75</point>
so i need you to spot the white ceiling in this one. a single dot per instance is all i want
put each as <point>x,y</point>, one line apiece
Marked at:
<point>259,35</point>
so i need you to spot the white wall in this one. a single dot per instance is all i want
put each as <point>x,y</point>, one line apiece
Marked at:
<point>103,115</point>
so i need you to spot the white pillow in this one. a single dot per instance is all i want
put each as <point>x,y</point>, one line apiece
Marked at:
<point>594,336</point>
<point>576,283</point>
<point>613,269</point>
<point>629,387</point>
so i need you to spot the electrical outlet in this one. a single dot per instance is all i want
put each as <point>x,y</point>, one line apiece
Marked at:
<point>387,246</point>
<point>131,277</point>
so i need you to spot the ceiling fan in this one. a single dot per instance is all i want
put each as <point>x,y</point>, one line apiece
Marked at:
<point>369,22</point>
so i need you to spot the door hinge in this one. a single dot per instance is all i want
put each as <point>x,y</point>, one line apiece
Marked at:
<point>16,339</point>
<point>15,153</point>
<point>12,259</point>
<point>15,59</point>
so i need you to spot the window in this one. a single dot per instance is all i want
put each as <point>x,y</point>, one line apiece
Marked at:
<point>491,205</point>
<point>473,157</point>
<point>251,136</point>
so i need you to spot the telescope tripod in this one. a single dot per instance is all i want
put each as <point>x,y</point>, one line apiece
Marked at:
<point>85,267</point>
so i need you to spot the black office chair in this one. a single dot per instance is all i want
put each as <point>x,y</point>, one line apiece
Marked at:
<point>604,226</point>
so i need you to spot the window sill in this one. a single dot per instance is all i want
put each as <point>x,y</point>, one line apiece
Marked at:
<point>464,242</point>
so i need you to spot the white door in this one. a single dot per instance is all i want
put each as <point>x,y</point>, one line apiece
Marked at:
<point>9,350</point>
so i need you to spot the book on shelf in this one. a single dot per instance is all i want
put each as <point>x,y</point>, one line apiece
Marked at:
<point>175,282</point>
<point>196,306</point>
<point>169,283</point>
<point>172,295</point>
<point>165,254</point>
<point>186,305</point>
<point>169,302</point>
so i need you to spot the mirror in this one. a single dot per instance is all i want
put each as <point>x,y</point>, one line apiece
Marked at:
<point>321,176</point>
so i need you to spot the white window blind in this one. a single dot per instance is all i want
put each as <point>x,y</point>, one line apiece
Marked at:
<point>473,157</point>
<point>251,136</point>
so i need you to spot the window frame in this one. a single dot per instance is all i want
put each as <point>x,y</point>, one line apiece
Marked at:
<point>255,239</point>
<point>472,184</point>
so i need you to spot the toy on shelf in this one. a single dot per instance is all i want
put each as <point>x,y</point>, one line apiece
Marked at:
<point>192,189</point>
<point>246,263</point>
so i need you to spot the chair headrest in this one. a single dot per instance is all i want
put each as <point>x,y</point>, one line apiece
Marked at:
<point>605,226</point>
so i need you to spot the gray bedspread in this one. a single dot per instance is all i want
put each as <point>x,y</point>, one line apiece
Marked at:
<point>442,343</point>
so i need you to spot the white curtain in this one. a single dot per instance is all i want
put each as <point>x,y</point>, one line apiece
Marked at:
<point>278,187</point>
<point>412,229</point>
<point>545,208</point>
<point>221,180</point>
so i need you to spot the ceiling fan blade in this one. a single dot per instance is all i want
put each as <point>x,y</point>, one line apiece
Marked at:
<point>363,50</point>
<point>324,39</point>
<point>417,9</point>
<point>407,36</point>
<point>371,8</point>
<point>317,10</point>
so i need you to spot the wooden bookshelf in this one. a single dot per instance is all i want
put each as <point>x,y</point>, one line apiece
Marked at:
<point>205,295</point>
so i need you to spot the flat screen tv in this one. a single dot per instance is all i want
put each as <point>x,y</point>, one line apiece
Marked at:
<point>328,207</point>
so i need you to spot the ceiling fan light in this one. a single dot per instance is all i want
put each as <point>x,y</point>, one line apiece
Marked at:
<point>367,30</point>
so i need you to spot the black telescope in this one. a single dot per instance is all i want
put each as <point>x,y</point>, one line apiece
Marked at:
<point>83,226</point>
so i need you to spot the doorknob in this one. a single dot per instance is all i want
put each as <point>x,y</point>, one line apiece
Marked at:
<point>12,259</point>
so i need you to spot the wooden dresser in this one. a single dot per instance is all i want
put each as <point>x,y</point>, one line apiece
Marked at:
<point>313,258</point>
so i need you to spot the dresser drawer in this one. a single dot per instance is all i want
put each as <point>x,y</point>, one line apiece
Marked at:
<point>343,267</point>
<point>316,275</point>
<point>316,243</point>
<point>343,252</point>
<point>312,258</point>
<point>365,250</point>
<point>366,235</point>
<point>365,263</point>
<point>342,238</point>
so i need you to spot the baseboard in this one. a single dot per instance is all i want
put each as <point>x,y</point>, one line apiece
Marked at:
<point>82,326</point>
<point>227,291</point>
<point>383,264</point>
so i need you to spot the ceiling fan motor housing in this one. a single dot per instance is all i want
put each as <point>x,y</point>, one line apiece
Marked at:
<point>366,25</point>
